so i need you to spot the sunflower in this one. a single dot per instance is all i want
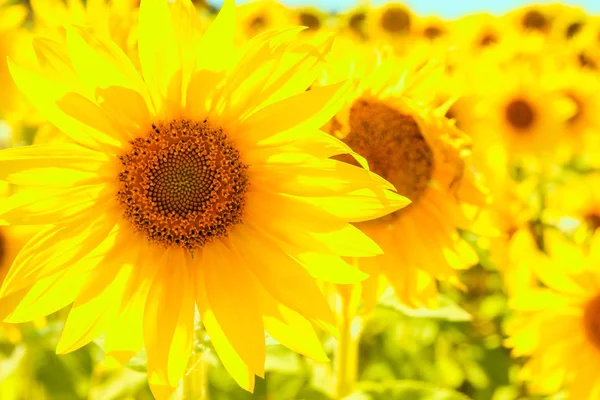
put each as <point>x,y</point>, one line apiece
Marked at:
<point>392,23</point>
<point>259,16</point>
<point>204,182</point>
<point>534,19</point>
<point>424,156</point>
<point>352,22</point>
<point>431,28</point>
<point>568,354</point>
<point>312,18</point>
<point>579,89</point>
<point>518,109</point>
<point>569,24</point>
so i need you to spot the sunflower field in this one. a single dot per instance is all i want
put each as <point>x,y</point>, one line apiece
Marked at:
<point>259,201</point>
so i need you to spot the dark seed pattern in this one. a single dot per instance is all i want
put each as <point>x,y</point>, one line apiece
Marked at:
<point>183,184</point>
<point>520,114</point>
<point>591,321</point>
<point>310,20</point>
<point>395,20</point>
<point>393,145</point>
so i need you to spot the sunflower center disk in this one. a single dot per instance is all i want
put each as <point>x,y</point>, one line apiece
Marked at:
<point>183,185</point>
<point>393,145</point>
<point>395,20</point>
<point>535,20</point>
<point>591,320</point>
<point>520,114</point>
<point>592,220</point>
<point>432,32</point>
<point>311,21</point>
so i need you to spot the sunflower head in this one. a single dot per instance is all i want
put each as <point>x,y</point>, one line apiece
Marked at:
<point>200,181</point>
<point>389,23</point>
<point>565,356</point>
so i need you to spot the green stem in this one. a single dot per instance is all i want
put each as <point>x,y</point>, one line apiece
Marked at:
<point>346,366</point>
<point>194,385</point>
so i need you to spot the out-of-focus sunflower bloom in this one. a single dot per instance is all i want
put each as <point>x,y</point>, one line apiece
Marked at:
<point>579,89</point>
<point>352,23</point>
<point>203,182</point>
<point>516,108</point>
<point>570,22</point>
<point>558,325</point>
<point>423,154</point>
<point>431,28</point>
<point>535,19</point>
<point>390,23</point>
<point>315,20</point>
<point>258,16</point>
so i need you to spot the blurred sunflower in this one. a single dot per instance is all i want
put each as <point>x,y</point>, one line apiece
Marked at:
<point>352,23</point>
<point>535,18</point>
<point>392,23</point>
<point>569,24</point>
<point>314,19</point>
<point>139,235</point>
<point>431,28</point>
<point>256,17</point>
<point>568,355</point>
<point>425,157</point>
<point>579,88</point>
<point>517,109</point>
<point>480,32</point>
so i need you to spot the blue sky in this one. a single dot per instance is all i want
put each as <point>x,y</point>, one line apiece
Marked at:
<point>444,8</point>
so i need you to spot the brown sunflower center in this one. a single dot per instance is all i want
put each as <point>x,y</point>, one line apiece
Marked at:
<point>592,220</point>
<point>573,29</point>
<point>357,21</point>
<point>393,145</point>
<point>586,61</point>
<point>258,23</point>
<point>591,320</point>
<point>535,20</point>
<point>310,20</point>
<point>488,39</point>
<point>395,20</point>
<point>183,184</point>
<point>520,114</point>
<point>433,32</point>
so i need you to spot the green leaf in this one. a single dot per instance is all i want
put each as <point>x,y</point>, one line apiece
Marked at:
<point>447,310</point>
<point>404,390</point>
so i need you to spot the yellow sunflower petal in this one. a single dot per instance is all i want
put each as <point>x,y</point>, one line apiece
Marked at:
<point>94,308</point>
<point>169,320</point>
<point>45,95</point>
<point>231,296</point>
<point>159,54</point>
<point>290,329</point>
